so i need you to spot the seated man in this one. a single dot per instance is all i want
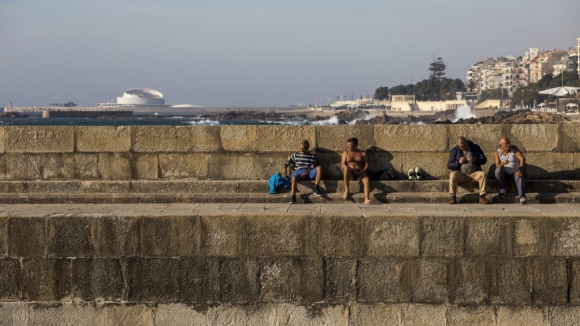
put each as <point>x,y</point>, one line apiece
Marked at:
<point>509,163</point>
<point>465,160</point>
<point>355,164</point>
<point>306,168</point>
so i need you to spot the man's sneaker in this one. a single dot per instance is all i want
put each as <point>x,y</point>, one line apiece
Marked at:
<point>453,200</point>
<point>418,173</point>
<point>501,193</point>
<point>482,200</point>
<point>293,200</point>
<point>317,191</point>
<point>523,200</point>
<point>411,174</point>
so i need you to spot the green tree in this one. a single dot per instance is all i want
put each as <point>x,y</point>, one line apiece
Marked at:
<point>437,69</point>
<point>382,93</point>
<point>471,85</point>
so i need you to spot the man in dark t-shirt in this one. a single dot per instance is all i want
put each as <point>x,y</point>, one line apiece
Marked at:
<point>306,168</point>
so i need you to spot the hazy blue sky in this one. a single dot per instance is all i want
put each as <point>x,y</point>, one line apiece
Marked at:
<point>257,52</point>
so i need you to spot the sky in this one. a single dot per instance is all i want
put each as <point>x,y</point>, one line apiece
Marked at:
<point>258,53</point>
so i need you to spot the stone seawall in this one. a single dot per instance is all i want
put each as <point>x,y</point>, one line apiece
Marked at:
<point>255,152</point>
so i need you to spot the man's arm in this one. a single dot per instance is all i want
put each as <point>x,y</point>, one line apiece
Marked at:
<point>452,163</point>
<point>366,160</point>
<point>343,162</point>
<point>480,158</point>
<point>496,160</point>
<point>522,160</point>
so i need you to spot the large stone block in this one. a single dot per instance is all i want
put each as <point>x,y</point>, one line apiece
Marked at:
<point>97,279</point>
<point>521,316</point>
<point>485,135</point>
<point>198,279</point>
<point>510,281</point>
<point>569,138</point>
<point>238,279</point>
<point>308,279</point>
<point>487,236</point>
<point>557,166</point>
<point>529,236</point>
<point>4,235</point>
<point>69,166</point>
<point>471,282</point>
<point>205,139</point>
<point>380,280</point>
<point>333,138</point>
<point>335,236</point>
<point>103,138</point>
<point>422,314</point>
<point>374,314</point>
<point>40,139</point>
<point>245,166</point>
<point>339,280</point>
<point>155,279</point>
<point>431,280</point>
<point>239,138</point>
<point>23,229</point>
<point>311,315</point>
<point>442,236</point>
<point>280,236</point>
<point>72,236</point>
<point>433,165</point>
<point>14,314</point>
<point>470,315</point>
<point>179,166</point>
<point>221,235</point>
<point>131,314</point>
<point>116,166</point>
<point>574,281</point>
<point>331,166</point>
<point>10,284</point>
<point>414,138</point>
<point>170,236</point>
<point>2,139</point>
<point>46,279</point>
<point>154,139</point>
<point>549,281</point>
<point>564,236</point>
<point>283,138</point>
<point>535,137</point>
<point>147,166</point>
<point>276,280</point>
<point>563,315</point>
<point>391,236</point>
<point>119,236</point>
<point>123,187</point>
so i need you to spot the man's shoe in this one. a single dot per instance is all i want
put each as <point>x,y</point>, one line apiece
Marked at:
<point>411,174</point>
<point>453,200</point>
<point>523,200</point>
<point>418,173</point>
<point>501,193</point>
<point>293,200</point>
<point>482,200</point>
<point>317,191</point>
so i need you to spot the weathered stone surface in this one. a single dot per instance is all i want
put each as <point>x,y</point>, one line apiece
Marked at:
<point>103,138</point>
<point>11,186</point>
<point>485,135</point>
<point>170,236</point>
<point>280,236</point>
<point>487,236</point>
<point>116,166</point>
<point>333,138</point>
<point>13,313</point>
<point>569,140</point>
<point>2,139</point>
<point>69,166</point>
<point>535,137</point>
<point>239,280</point>
<point>312,315</point>
<point>426,185</point>
<point>39,139</point>
<point>330,163</point>
<point>574,281</point>
<point>239,138</point>
<point>119,236</point>
<point>123,187</point>
<point>380,280</point>
<point>147,166</point>
<point>470,315</point>
<point>471,281</point>
<point>22,230</point>
<point>72,236</point>
<point>391,236</point>
<point>205,139</point>
<point>179,166</point>
<point>308,279</point>
<point>521,316</point>
<point>549,166</point>
<point>510,281</point>
<point>155,279</point>
<point>433,165</point>
<point>220,235</point>
<point>138,315</point>
<point>529,236</point>
<point>422,314</point>
<point>46,279</point>
<point>97,279</point>
<point>415,138</point>
<point>4,237</point>
<point>276,280</point>
<point>549,281</point>
<point>374,314</point>
<point>51,186</point>
<point>564,234</point>
<point>245,166</point>
<point>442,236</point>
<point>10,284</point>
<point>283,138</point>
<point>154,139</point>
<point>335,236</point>
<point>198,279</point>
<point>339,280</point>
<point>563,315</point>
<point>431,281</point>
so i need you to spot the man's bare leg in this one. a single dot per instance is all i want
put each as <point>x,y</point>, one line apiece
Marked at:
<point>347,178</point>
<point>294,185</point>
<point>366,185</point>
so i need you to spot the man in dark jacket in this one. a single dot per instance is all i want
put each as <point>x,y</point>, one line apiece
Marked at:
<point>465,161</point>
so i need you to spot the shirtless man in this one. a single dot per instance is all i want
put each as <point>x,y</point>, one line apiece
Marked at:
<point>355,164</point>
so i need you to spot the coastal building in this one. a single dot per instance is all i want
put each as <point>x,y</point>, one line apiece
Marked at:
<point>138,97</point>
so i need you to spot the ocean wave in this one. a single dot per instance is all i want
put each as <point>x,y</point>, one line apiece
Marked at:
<point>206,122</point>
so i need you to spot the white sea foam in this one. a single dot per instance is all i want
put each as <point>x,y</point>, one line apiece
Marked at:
<point>332,121</point>
<point>463,112</point>
<point>206,122</point>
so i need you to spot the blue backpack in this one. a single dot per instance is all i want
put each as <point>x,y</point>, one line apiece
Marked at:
<point>276,181</point>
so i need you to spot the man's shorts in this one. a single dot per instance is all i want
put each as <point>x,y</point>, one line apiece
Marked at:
<point>310,176</point>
